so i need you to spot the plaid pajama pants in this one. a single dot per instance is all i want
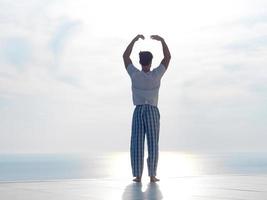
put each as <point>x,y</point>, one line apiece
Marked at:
<point>146,120</point>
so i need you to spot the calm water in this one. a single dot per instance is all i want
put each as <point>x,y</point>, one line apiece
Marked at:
<point>117,165</point>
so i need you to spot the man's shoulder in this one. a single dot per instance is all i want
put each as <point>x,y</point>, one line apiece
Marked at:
<point>131,69</point>
<point>159,71</point>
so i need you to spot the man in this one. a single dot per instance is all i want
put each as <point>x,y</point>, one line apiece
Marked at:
<point>146,116</point>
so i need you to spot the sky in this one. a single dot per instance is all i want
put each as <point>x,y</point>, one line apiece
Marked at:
<point>64,88</point>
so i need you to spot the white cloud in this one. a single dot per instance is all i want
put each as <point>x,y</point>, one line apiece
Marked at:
<point>73,89</point>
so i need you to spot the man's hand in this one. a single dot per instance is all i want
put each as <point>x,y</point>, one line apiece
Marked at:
<point>138,37</point>
<point>156,37</point>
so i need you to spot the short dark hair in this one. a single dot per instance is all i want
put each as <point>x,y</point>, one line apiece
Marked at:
<point>145,58</point>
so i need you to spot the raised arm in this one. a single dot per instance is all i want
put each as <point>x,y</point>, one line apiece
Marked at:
<point>126,55</point>
<point>167,55</point>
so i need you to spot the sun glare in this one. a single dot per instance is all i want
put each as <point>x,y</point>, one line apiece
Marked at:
<point>171,164</point>
<point>177,171</point>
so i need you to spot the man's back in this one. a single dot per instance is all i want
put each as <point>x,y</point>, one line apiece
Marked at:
<point>145,85</point>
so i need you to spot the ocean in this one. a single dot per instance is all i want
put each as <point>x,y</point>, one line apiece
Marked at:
<point>42,167</point>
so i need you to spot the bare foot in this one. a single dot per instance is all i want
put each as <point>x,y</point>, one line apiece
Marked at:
<point>137,179</point>
<point>153,179</point>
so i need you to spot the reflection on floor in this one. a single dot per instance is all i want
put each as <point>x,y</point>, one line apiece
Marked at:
<point>208,187</point>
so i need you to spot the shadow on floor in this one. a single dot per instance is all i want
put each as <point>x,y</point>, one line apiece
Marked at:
<point>134,191</point>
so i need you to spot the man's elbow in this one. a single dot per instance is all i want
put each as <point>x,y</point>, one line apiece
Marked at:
<point>168,57</point>
<point>125,55</point>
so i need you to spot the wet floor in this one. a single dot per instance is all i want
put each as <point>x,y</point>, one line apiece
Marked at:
<point>209,187</point>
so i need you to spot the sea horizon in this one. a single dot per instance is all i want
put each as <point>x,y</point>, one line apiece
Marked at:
<point>116,165</point>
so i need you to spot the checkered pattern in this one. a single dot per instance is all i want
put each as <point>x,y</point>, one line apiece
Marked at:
<point>146,120</point>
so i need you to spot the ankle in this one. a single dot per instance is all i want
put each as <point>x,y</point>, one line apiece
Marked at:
<point>137,179</point>
<point>153,179</point>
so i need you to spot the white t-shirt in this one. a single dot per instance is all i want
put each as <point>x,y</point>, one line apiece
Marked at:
<point>145,86</point>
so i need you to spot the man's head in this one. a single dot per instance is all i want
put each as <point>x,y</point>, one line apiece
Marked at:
<point>145,59</point>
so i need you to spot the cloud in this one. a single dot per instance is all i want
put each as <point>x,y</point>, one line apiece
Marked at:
<point>61,36</point>
<point>63,33</point>
<point>16,51</point>
<point>74,90</point>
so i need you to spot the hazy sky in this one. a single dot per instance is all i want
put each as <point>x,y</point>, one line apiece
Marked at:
<point>64,88</point>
